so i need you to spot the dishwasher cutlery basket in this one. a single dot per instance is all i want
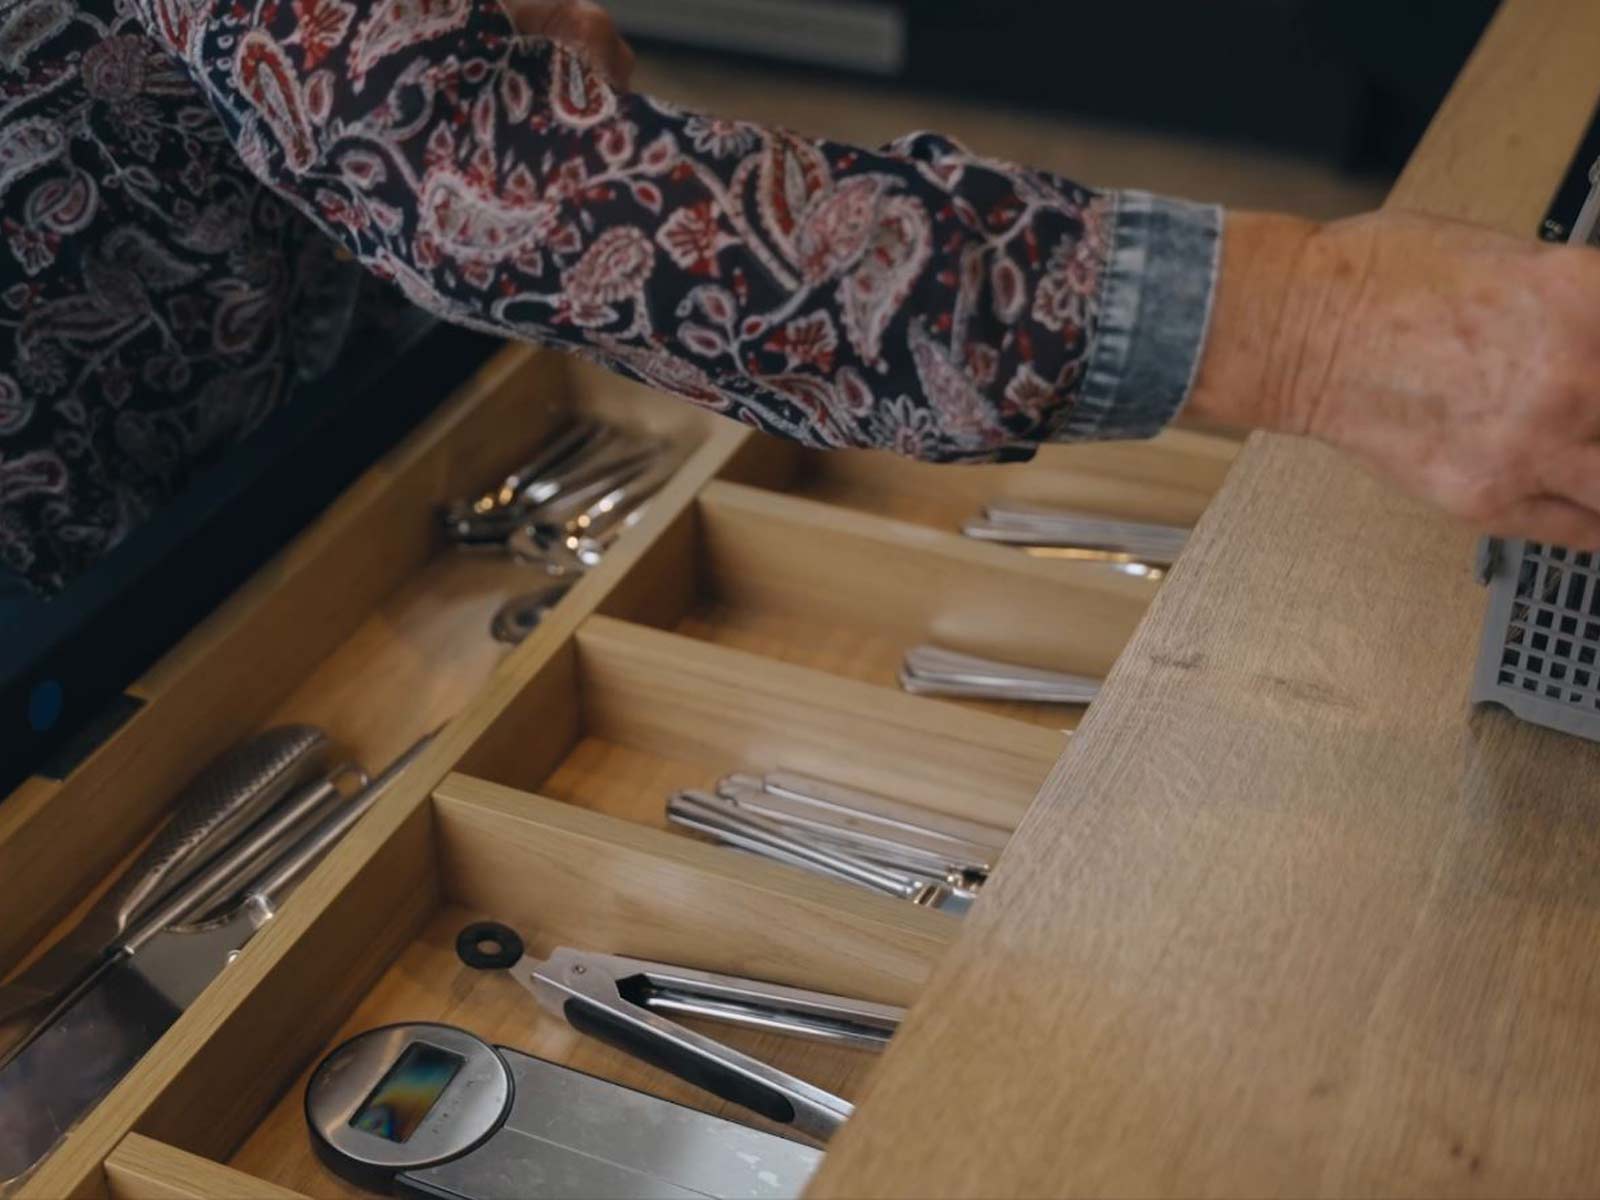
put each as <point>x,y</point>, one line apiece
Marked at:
<point>1540,655</point>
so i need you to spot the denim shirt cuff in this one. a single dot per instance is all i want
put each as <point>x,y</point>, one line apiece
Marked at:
<point>1155,305</point>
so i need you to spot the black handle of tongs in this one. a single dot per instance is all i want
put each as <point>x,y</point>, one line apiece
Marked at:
<point>699,1069</point>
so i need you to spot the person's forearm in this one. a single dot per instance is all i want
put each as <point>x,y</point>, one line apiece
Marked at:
<point>921,300</point>
<point>1253,347</point>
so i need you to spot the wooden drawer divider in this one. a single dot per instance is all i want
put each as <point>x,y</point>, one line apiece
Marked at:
<point>636,656</point>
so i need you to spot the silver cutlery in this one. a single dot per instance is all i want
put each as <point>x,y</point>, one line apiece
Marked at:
<point>1135,548</point>
<point>730,824</point>
<point>609,459</point>
<point>212,811</point>
<point>152,974</point>
<point>932,671</point>
<point>569,542</point>
<point>490,518</point>
<point>894,814</point>
<point>325,798</point>
<point>918,853</point>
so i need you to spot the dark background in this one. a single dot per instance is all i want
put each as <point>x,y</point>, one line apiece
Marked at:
<point>1349,81</point>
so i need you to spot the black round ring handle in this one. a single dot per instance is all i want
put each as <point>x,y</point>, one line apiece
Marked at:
<point>469,946</point>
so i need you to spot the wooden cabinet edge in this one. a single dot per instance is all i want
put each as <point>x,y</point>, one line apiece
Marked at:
<point>142,1168</point>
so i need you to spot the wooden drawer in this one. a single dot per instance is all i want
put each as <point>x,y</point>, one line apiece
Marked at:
<point>754,619</point>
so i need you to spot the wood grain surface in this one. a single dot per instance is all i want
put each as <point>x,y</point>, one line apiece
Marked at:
<point>1290,920</point>
<point>144,1169</point>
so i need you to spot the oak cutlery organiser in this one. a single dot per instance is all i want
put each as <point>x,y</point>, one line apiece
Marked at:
<point>754,618</point>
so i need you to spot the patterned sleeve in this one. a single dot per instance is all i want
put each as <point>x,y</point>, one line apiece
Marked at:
<point>918,299</point>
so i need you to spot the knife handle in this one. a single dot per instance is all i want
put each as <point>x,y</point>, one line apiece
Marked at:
<point>219,804</point>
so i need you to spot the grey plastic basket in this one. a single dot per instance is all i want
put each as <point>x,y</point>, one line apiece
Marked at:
<point>1540,655</point>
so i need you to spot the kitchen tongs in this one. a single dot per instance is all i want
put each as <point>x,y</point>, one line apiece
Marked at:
<point>629,1003</point>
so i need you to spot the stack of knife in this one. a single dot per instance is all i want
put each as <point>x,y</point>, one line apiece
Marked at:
<point>249,828</point>
<point>887,846</point>
<point>933,671</point>
<point>1134,548</point>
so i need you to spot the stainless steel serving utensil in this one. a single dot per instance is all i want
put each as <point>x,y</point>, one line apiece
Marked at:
<point>606,459</point>
<point>1115,561</point>
<point>215,808</point>
<point>225,872</point>
<point>186,957</point>
<point>625,1002</point>
<point>490,518</point>
<point>102,1028</point>
<point>592,478</point>
<point>621,1001</point>
<point>932,671</point>
<point>157,971</point>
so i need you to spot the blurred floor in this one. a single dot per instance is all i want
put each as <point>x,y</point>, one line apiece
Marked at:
<point>1089,152</point>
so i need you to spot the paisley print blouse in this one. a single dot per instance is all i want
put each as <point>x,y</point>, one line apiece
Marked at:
<point>196,197</point>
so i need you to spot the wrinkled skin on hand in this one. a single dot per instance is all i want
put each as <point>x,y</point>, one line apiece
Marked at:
<point>1460,364</point>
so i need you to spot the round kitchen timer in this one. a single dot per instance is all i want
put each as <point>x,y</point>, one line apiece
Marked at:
<point>405,1097</point>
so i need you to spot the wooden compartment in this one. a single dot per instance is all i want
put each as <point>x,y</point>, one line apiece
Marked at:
<point>847,592</point>
<point>368,626</point>
<point>628,714</point>
<point>561,876</point>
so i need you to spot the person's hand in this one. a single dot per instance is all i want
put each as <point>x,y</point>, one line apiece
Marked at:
<point>578,25</point>
<point>1461,364</point>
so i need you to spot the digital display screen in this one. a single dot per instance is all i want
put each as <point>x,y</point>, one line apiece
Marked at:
<point>407,1092</point>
